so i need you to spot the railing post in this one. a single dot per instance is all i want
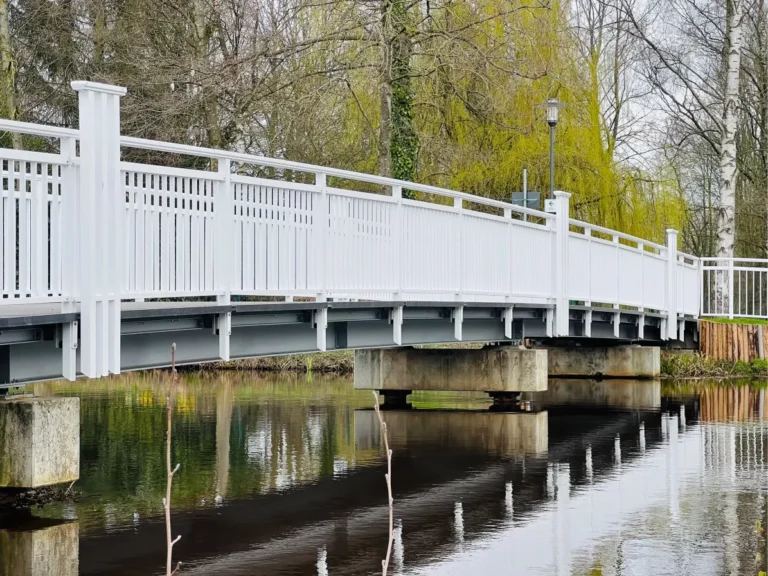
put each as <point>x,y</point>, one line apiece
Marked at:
<point>730,288</point>
<point>458,205</point>
<point>102,211</point>
<point>562,229</point>
<point>672,284</point>
<point>224,265</point>
<point>320,216</point>
<point>397,245</point>
<point>70,249</point>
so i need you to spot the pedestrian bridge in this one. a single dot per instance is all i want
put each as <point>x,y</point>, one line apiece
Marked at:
<point>114,247</point>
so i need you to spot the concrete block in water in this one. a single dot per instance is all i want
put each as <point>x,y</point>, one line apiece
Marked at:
<point>48,550</point>
<point>493,369</point>
<point>606,361</point>
<point>612,393</point>
<point>39,441</point>
<point>494,433</point>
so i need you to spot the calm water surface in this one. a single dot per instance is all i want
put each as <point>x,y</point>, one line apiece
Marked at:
<point>285,476</point>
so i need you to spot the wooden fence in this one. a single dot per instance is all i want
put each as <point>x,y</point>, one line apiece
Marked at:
<point>732,342</point>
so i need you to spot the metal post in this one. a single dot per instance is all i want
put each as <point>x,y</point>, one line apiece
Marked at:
<point>672,284</point>
<point>562,227</point>
<point>730,288</point>
<point>551,160</point>
<point>102,211</point>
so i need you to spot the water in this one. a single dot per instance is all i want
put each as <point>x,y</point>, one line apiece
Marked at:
<point>285,476</point>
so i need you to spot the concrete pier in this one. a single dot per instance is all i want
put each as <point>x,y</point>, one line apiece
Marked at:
<point>41,548</point>
<point>496,433</point>
<point>502,369</point>
<point>606,361</point>
<point>39,441</point>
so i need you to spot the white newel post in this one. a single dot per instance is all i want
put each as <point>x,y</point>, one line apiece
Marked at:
<point>224,216</point>
<point>562,229</point>
<point>671,284</point>
<point>101,213</point>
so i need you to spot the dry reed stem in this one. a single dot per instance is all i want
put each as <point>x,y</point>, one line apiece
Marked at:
<point>170,472</point>
<point>388,477</point>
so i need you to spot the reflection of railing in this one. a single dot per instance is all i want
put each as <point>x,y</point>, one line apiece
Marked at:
<point>94,229</point>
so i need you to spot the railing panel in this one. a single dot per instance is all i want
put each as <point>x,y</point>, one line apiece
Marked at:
<point>532,253</point>
<point>169,224</point>
<point>688,288</point>
<point>431,250</point>
<point>654,282</point>
<point>604,272</point>
<point>273,238</point>
<point>486,255</point>
<point>360,245</point>
<point>30,227</point>
<point>579,267</point>
<point>630,277</point>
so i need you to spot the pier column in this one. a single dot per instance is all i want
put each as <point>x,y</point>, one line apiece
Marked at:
<point>606,361</point>
<point>497,370</point>
<point>39,441</point>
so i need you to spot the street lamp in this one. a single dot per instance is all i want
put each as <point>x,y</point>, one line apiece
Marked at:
<point>553,106</point>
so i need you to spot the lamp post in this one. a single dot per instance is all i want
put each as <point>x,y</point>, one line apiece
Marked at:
<point>553,106</point>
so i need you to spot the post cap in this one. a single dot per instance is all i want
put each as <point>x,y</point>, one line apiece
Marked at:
<point>561,194</point>
<point>672,232</point>
<point>81,85</point>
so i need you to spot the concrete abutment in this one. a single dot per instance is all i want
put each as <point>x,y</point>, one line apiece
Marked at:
<point>39,441</point>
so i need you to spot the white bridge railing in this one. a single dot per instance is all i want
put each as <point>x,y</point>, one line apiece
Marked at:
<point>90,229</point>
<point>734,287</point>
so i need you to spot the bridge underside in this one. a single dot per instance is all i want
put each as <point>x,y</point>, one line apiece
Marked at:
<point>39,342</point>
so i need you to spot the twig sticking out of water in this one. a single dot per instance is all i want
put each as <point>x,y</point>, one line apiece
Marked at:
<point>170,472</point>
<point>388,477</point>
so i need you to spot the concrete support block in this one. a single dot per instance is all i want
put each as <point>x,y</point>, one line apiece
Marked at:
<point>609,362</point>
<point>612,393</point>
<point>39,441</point>
<point>497,369</point>
<point>494,433</point>
<point>51,550</point>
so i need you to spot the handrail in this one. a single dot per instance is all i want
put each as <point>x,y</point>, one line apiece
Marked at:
<point>214,153</point>
<point>37,129</point>
<point>608,231</point>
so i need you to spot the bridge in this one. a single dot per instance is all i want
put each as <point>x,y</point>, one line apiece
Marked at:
<point>114,247</point>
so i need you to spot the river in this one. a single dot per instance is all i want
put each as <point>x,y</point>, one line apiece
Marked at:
<point>284,475</point>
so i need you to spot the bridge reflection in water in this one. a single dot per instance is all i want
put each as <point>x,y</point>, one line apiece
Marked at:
<point>283,476</point>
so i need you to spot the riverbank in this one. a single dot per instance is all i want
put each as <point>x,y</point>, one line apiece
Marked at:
<point>673,364</point>
<point>694,365</point>
<point>337,362</point>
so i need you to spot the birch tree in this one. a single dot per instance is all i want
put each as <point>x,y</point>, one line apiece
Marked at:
<point>726,227</point>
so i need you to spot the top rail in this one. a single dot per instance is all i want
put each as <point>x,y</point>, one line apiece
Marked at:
<point>37,129</point>
<point>215,153</point>
<point>615,233</point>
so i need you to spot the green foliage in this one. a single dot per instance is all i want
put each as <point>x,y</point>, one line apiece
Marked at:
<point>751,321</point>
<point>694,365</point>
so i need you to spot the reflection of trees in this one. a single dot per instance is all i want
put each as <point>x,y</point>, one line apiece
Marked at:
<point>234,435</point>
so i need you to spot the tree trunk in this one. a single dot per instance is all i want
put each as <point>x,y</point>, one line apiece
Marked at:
<point>728,171</point>
<point>726,229</point>
<point>404,146</point>
<point>385,92</point>
<point>7,72</point>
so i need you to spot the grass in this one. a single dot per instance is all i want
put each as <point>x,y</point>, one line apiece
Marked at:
<point>697,366</point>
<point>753,321</point>
<point>337,362</point>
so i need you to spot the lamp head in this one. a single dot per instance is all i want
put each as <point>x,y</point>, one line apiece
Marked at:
<point>553,106</point>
